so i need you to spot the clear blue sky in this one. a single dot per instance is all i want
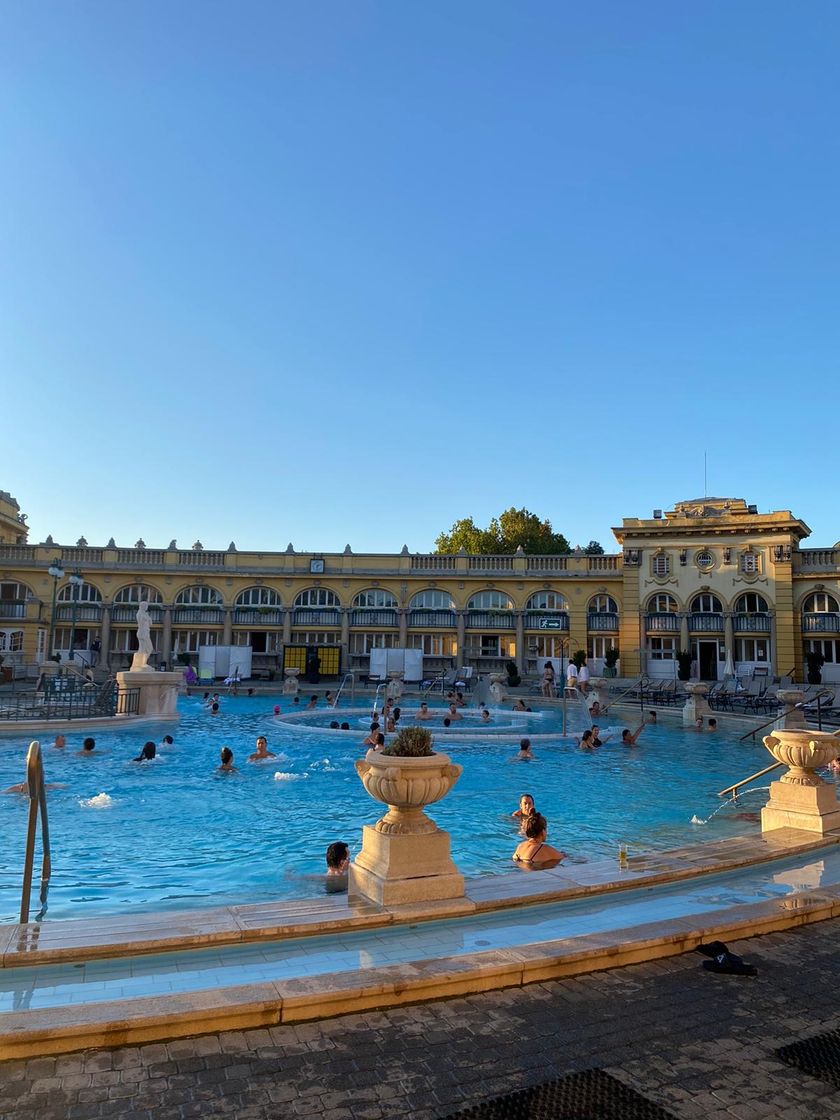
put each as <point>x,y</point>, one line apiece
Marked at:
<point>345,272</point>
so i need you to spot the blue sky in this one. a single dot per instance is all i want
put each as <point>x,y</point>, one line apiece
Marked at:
<point>339,273</point>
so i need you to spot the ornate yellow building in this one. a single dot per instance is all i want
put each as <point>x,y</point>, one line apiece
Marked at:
<point>713,576</point>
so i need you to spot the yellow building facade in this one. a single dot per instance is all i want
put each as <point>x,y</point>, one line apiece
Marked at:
<point>712,576</point>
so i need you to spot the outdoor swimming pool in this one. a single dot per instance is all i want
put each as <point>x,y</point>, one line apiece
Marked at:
<point>174,833</point>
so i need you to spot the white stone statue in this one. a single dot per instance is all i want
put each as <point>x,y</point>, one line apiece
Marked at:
<point>144,638</point>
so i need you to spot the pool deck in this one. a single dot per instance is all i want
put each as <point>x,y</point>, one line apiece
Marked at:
<point>69,1028</point>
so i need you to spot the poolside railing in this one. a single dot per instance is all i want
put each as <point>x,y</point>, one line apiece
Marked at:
<point>73,704</point>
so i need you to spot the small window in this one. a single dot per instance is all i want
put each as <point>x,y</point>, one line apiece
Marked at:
<point>749,563</point>
<point>704,560</point>
<point>661,565</point>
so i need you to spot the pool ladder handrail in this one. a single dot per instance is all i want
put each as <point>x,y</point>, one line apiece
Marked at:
<point>37,802</point>
<point>802,705</point>
<point>382,684</point>
<point>733,789</point>
<point>639,684</point>
<point>351,677</point>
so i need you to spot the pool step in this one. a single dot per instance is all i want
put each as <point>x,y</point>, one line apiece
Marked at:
<point>69,1028</point>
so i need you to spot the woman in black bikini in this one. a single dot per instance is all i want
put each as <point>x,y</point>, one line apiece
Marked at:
<point>534,850</point>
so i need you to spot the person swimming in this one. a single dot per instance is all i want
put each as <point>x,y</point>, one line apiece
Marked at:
<point>524,751</point>
<point>534,850</point>
<point>148,752</point>
<point>88,746</point>
<point>226,765</point>
<point>262,750</point>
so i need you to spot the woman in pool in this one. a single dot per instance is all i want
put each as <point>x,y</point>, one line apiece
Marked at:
<point>226,756</point>
<point>147,754</point>
<point>587,741</point>
<point>534,850</point>
<point>519,706</point>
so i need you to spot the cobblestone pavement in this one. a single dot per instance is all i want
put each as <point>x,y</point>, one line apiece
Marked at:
<point>699,1045</point>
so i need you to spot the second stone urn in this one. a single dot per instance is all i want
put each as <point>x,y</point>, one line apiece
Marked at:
<point>405,857</point>
<point>800,798</point>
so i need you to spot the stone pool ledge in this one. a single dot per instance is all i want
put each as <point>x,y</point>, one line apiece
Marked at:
<point>120,1022</point>
<point>130,934</point>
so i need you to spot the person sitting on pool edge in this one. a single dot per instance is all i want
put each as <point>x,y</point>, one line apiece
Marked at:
<point>226,757</point>
<point>629,738</point>
<point>338,863</point>
<point>534,850</point>
<point>147,754</point>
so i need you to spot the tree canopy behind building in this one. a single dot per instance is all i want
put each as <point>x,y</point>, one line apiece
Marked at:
<point>504,534</point>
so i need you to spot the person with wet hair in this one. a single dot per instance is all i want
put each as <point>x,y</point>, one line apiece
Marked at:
<point>226,765</point>
<point>338,863</point>
<point>373,737</point>
<point>148,752</point>
<point>534,850</point>
<point>262,752</point>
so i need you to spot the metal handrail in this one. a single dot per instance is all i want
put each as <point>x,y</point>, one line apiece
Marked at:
<point>802,705</point>
<point>733,789</point>
<point>382,684</point>
<point>37,801</point>
<point>640,683</point>
<point>347,677</point>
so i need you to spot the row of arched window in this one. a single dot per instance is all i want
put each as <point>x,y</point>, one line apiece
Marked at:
<point>818,602</point>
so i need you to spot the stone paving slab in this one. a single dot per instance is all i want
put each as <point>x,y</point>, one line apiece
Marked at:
<point>700,1045</point>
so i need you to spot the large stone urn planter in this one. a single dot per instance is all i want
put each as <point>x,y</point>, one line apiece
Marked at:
<point>405,857</point>
<point>800,798</point>
<point>696,705</point>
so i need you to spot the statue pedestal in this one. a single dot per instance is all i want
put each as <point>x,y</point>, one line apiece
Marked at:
<point>801,799</point>
<point>392,869</point>
<point>158,692</point>
<point>791,716</point>
<point>811,808</point>
<point>696,706</point>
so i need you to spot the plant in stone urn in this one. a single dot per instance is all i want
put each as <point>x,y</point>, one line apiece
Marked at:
<point>406,776</point>
<point>684,662</point>
<point>610,661</point>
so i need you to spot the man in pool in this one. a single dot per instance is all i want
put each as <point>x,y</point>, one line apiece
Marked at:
<point>713,724</point>
<point>524,752</point>
<point>485,716</point>
<point>525,810</point>
<point>262,752</point>
<point>423,712</point>
<point>313,701</point>
<point>88,747</point>
<point>226,761</point>
<point>60,743</point>
<point>454,713</point>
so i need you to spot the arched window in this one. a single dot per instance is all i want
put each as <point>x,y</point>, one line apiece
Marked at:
<point>258,597</point>
<point>603,604</point>
<point>137,593</point>
<point>706,604</point>
<point>86,593</point>
<point>317,597</point>
<point>547,601</point>
<point>821,603</point>
<point>662,603</point>
<point>199,596</point>
<point>375,599</point>
<point>490,601</point>
<point>11,592</point>
<point>751,603</point>
<point>432,601</point>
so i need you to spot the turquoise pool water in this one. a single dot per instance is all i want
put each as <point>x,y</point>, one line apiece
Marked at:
<point>174,833</point>
<point>165,973</point>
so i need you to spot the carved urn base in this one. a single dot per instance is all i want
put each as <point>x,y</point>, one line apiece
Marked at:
<point>800,798</point>
<point>405,857</point>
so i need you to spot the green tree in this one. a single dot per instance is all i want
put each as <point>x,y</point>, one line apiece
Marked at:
<point>467,535</point>
<point>594,548</point>
<point>504,534</point>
